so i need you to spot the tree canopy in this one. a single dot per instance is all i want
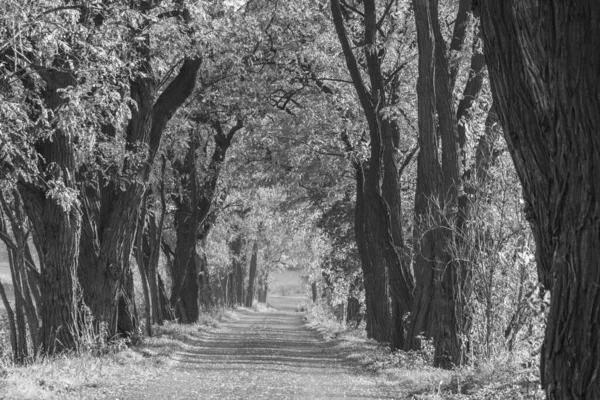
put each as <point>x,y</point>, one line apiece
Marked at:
<point>429,167</point>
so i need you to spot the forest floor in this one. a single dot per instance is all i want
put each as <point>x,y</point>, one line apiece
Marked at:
<point>264,353</point>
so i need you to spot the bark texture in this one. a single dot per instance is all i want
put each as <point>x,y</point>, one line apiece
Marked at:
<point>194,216</point>
<point>252,275</point>
<point>236,245</point>
<point>112,208</point>
<point>57,225</point>
<point>544,70</point>
<point>380,223</point>
<point>441,209</point>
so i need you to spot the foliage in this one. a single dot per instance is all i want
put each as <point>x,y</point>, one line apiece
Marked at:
<point>288,180</point>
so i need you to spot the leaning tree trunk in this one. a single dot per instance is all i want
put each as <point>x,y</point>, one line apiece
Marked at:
<point>544,70</point>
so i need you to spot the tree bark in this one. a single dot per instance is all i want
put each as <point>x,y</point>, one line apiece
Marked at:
<point>252,275</point>
<point>376,297</point>
<point>12,325</point>
<point>544,70</point>
<point>236,245</point>
<point>383,241</point>
<point>112,210</point>
<point>142,263</point>
<point>57,226</point>
<point>205,292</point>
<point>440,209</point>
<point>314,292</point>
<point>192,217</point>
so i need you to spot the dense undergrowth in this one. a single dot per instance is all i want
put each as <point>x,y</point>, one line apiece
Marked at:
<point>505,376</point>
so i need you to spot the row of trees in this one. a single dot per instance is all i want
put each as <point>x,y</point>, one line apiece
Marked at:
<point>118,118</point>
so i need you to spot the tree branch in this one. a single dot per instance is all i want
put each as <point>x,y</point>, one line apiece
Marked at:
<point>458,36</point>
<point>239,125</point>
<point>385,13</point>
<point>171,99</point>
<point>407,160</point>
<point>363,94</point>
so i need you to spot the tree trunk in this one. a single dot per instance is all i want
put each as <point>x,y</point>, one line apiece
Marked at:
<point>314,292</point>
<point>428,183</point>
<point>230,299</point>
<point>204,287</point>
<point>184,291</point>
<point>382,212</point>
<point>142,263</point>
<point>147,253</point>
<point>165,310</point>
<point>353,311</point>
<point>376,298</point>
<point>17,248</point>
<point>193,218</point>
<point>263,287</point>
<point>236,245</point>
<point>12,325</point>
<point>252,275</point>
<point>57,226</point>
<point>544,70</point>
<point>440,298</point>
<point>151,245</point>
<point>112,208</point>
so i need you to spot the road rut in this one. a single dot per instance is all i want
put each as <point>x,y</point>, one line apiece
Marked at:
<point>263,355</point>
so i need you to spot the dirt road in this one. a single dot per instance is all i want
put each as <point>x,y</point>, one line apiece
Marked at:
<point>269,355</point>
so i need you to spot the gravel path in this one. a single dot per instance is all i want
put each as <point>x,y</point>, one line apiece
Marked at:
<point>269,355</point>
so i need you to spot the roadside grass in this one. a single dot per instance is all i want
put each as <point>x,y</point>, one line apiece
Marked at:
<point>99,372</point>
<point>504,377</point>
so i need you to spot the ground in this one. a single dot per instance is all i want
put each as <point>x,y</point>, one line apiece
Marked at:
<point>261,355</point>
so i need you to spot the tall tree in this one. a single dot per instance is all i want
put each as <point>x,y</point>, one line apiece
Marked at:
<point>381,242</point>
<point>441,208</point>
<point>193,218</point>
<point>56,217</point>
<point>112,204</point>
<point>252,275</point>
<point>545,74</point>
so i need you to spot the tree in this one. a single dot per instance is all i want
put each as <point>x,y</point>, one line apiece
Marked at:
<point>442,207</point>
<point>379,215</point>
<point>112,201</point>
<point>193,218</point>
<point>545,75</point>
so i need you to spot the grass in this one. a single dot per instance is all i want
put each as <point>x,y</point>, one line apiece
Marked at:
<point>500,378</point>
<point>98,374</point>
<point>72,375</point>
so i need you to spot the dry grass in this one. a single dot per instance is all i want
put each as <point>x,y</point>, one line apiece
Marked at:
<point>500,378</point>
<point>72,375</point>
<point>94,374</point>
